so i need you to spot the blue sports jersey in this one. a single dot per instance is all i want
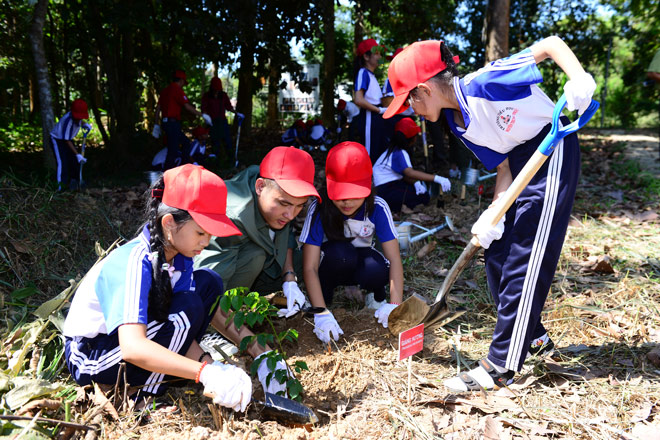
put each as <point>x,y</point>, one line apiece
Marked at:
<point>66,128</point>
<point>389,167</point>
<point>366,80</point>
<point>116,291</point>
<point>502,107</point>
<point>379,224</point>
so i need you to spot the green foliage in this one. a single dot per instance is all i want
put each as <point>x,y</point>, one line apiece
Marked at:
<point>20,136</point>
<point>245,307</point>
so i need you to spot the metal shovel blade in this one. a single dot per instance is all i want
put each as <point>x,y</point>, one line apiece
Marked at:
<point>408,314</point>
<point>287,411</point>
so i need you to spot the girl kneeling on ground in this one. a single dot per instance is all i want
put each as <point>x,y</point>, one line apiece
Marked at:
<point>338,236</point>
<point>397,182</point>
<point>144,304</point>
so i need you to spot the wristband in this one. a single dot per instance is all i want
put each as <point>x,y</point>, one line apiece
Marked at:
<point>201,356</point>
<point>396,304</point>
<point>199,373</point>
<point>290,272</point>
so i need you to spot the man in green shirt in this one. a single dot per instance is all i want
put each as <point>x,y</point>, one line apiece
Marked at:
<point>261,202</point>
<point>653,73</point>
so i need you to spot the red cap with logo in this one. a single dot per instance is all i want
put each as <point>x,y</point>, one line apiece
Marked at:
<point>348,171</point>
<point>365,46</point>
<point>415,64</point>
<point>79,109</point>
<point>341,105</point>
<point>216,84</point>
<point>180,74</point>
<point>292,169</point>
<point>408,127</point>
<point>203,195</point>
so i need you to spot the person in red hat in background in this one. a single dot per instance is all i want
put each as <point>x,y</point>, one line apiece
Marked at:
<point>262,202</point>
<point>500,113</point>
<point>296,135</point>
<point>145,305</point>
<point>317,134</point>
<point>170,103</point>
<point>215,103</point>
<point>348,113</point>
<point>368,96</point>
<point>198,146</point>
<point>67,157</point>
<point>396,181</point>
<point>338,238</point>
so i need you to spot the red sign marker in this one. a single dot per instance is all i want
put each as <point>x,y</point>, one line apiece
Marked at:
<point>411,341</point>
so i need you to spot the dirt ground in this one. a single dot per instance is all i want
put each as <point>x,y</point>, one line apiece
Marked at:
<point>603,313</point>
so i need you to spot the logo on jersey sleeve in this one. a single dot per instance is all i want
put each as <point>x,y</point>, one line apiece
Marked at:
<point>506,118</point>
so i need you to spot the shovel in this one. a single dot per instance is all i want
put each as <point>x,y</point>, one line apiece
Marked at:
<point>238,138</point>
<point>82,152</point>
<point>415,310</point>
<point>284,410</point>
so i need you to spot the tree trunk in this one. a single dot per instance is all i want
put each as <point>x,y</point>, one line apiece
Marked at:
<point>328,74</point>
<point>273,90</point>
<point>358,20</point>
<point>41,69</point>
<point>245,80</point>
<point>496,30</point>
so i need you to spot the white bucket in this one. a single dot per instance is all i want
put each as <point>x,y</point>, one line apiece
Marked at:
<point>471,176</point>
<point>403,231</point>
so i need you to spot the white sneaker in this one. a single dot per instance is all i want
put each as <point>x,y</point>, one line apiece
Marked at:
<point>209,343</point>
<point>371,303</point>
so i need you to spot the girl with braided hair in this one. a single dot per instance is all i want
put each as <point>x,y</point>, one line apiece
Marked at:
<point>145,305</point>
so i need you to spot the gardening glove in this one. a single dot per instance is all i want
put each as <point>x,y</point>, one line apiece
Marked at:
<point>382,110</point>
<point>263,371</point>
<point>86,127</point>
<point>579,91</point>
<point>156,131</point>
<point>240,116</point>
<point>444,183</point>
<point>295,299</point>
<point>81,158</point>
<point>420,188</point>
<point>229,385</point>
<point>207,119</point>
<point>485,232</point>
<point>383,313</point>
<point>325,326</point>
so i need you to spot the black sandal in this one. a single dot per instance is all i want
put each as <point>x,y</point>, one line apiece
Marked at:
<point>470,383</point>
<point>501,380</point>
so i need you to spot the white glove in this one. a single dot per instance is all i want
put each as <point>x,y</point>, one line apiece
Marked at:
<point>382,110</point>
<point>295,299</point>
<point>81,158</point>
<point>444,183</point>
<point>240,115</point>
<point>325,326</point>
<point>420,188</point>
<point>229,385</point>
<point>156,131</point>
<point>579,91</point>
<point>87,126</point>
<point>262,372</point>
<point>383,313</point>
<point>485,232</point>
<point>207,119</point>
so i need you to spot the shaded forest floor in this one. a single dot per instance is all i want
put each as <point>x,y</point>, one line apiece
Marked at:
<point>602,312</point>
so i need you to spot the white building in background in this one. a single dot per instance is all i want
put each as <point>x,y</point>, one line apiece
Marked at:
<point>293,100</point>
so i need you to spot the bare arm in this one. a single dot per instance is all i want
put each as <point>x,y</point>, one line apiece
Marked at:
<point>655,76</point>
<point>392,253</point>
<point>288,267</point>
<point>362,103</point>
<point>137,349</point>
<point>415,175</point>
<point>311,259</point>
<point>503,179</point>
<point>555,48</point>
<point>235,335</point>
<point>191,108</point>
<point>71,147</point>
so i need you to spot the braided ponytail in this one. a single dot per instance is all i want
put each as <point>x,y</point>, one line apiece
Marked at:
<point>160,294</point>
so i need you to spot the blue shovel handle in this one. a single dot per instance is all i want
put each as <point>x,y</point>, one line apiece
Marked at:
<point>557,133</point>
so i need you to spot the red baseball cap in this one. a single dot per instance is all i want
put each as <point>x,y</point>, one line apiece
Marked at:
<point>79,109</point>
<point>341,105</point>
<point>408,127</point>
<point>365,46</point>
<point>180,74</point>
<point>348,171</point>
<point>216,84</point>
<point>396,52</point>
<point>414,65</point>
<point>202,194</point>
<point>292,169</point>
<point>199,131</point>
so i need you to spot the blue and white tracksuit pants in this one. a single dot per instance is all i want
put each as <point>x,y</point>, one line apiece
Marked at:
<point>521,265</point>
<point>97,359</point>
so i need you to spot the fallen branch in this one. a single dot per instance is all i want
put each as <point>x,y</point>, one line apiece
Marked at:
<point>46,420</point>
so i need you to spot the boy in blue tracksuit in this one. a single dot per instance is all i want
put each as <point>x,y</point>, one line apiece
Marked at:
<point>67,158</point>
<point>501,114</point>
